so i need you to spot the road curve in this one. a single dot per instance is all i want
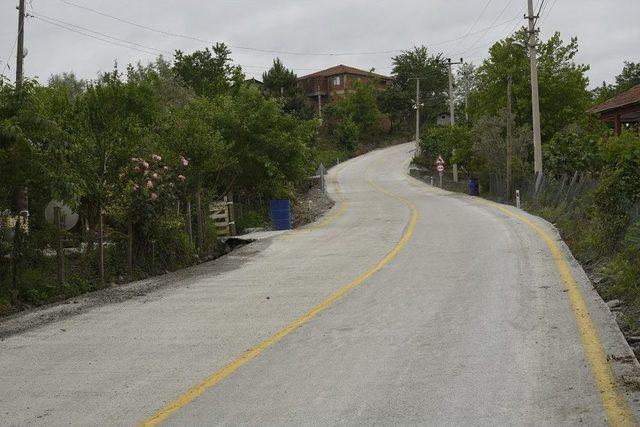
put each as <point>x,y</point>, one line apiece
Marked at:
<point>404,305</point>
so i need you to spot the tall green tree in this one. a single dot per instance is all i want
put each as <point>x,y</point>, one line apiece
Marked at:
<point>629,77</point>
<point>409,65</point>
<point>209,72</point>
<point>282,83</point>
<point>564,97</point>
<point>279,80</point>
<point>362,108</point>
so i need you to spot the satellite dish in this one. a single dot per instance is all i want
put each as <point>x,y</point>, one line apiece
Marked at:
<point>68,218</point>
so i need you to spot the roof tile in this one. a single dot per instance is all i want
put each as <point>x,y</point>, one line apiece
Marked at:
<point>632,96</point>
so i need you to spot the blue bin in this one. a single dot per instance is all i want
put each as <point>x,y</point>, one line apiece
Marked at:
<point>281,214</point>
<point>474,187</point>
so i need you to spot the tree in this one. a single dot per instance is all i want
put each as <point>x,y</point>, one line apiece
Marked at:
<point>280,81</point>
<point>453,143</point>
<point>361,107</point>
<point>564,97</point>
<point>629,77</point>
<point>208,72</point>
<point>466,83</point>
<point>433,74</point>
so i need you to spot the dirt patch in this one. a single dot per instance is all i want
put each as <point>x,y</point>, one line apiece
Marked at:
<point>309,207</point>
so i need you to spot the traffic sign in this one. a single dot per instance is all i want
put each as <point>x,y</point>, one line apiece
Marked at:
<point>440,161</point>
<point>440,168</point>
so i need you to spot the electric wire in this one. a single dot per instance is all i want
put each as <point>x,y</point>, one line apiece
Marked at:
<point>504,9</point>
<point>275,51</point>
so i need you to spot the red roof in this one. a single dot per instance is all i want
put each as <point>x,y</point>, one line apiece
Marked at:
<point>632,96</point>
<point>343,69</point>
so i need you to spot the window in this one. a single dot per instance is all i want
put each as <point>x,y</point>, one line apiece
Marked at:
<point>336,81</point>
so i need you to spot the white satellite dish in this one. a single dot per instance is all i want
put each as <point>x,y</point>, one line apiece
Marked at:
<point>68,218</point>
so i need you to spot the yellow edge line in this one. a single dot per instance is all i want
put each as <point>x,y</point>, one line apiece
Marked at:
<point>197,390</point>
<point>615,405</point>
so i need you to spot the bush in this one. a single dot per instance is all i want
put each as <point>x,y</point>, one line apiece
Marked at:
<point>346,134</point>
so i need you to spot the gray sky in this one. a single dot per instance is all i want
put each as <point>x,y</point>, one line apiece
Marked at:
<point>607,31</point>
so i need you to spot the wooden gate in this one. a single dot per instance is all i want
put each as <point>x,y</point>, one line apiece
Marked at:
<point>221,213</point>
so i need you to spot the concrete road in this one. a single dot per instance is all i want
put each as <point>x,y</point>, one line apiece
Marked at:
<point>404,305</point>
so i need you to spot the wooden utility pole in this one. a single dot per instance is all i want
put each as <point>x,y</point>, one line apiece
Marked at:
<point>319,99</point>
<point>535,101</point>
<point>509,137</point>
<point>20,54</point>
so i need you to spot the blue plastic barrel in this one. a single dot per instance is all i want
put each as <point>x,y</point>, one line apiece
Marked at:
<point>474,187</point>
<point>281,214</point>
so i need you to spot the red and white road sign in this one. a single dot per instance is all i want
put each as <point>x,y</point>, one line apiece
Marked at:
<point>440,168</point>
<point>440,161</point>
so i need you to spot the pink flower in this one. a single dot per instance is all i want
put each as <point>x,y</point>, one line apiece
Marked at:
<point>149,184</point>
<point>154,197</point>
<point>155,175</point>
<point>145,165</point>
<point>184,161</point>
<point>156,157</point>
<point>182,178</point>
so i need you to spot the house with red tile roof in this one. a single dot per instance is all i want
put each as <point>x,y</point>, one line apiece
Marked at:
<point>327,86</point>
<point>621,111</point>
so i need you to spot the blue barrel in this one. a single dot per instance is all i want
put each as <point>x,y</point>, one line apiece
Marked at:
<point>281,214</point>
<point>474,187</point>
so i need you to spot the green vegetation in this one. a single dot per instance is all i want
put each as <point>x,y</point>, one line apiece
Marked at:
<point>130,152</point>
<point>590,189</point>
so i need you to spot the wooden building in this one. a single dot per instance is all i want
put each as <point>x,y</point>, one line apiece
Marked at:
<point>327,86</point>
<point>621,111</point>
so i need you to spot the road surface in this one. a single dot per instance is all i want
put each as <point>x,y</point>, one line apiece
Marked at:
<point>403,305</point>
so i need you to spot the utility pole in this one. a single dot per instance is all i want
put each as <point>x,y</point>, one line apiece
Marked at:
<point>535,101</point>
<point>509,137</point>
<point>20,54</point>
<point>319,99</point>
<point>452,108</point>
<point>417,115</point>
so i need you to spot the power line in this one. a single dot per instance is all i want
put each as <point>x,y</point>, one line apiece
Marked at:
<point>95,37</point>
<point>492,23</point>
<point>539,13</point>
<point>49,18</point>
<point>6,64</point>
<point>149,50</point>
<point>548,12</point>
<point>486,5</point>
<point>273,51</point>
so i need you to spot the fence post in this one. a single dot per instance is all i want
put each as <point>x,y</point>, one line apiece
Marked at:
<point>100,244</point>
<point>199,219</point>
<point>189,225</point>
<point>232,215</point>
<point>130,247</point>
<point>57,222</point>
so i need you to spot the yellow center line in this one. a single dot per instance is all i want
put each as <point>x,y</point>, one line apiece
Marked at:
<point>614,403</point>
<point>215,378</point>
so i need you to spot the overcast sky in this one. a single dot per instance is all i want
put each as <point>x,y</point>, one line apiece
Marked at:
<point>607,31</point>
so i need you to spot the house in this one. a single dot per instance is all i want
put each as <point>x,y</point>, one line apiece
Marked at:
<point>327,86</point>
<point>254,83</point>
<point>621,111</point>
<point>443,119</point>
